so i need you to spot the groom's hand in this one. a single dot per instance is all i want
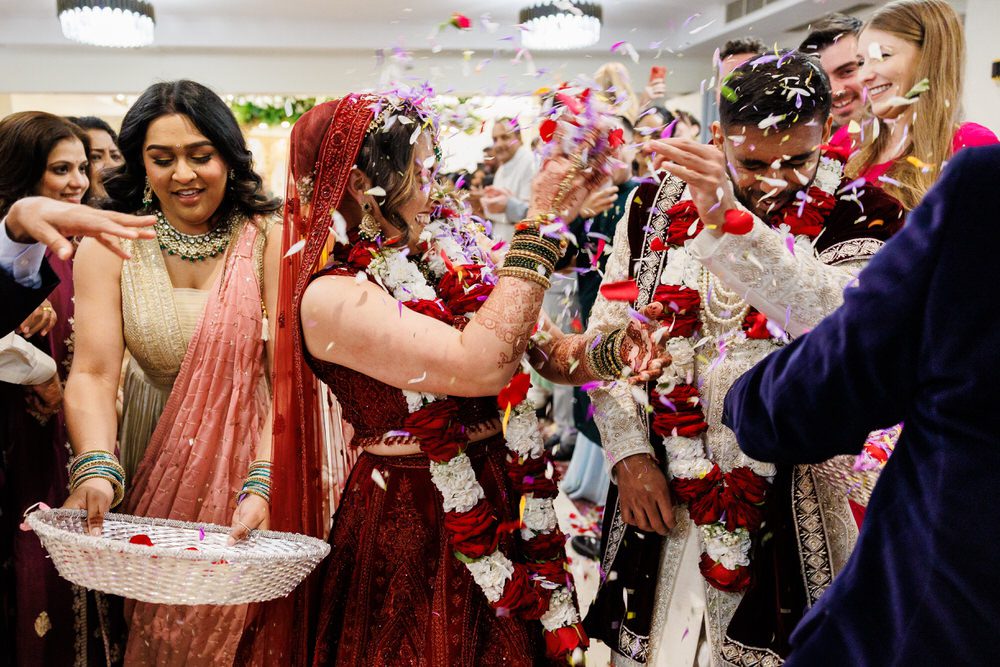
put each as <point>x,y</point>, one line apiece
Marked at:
<point>703,168</point>
<point>643,494</point>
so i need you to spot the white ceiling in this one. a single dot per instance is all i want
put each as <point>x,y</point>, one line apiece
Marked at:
<point>328,46</point>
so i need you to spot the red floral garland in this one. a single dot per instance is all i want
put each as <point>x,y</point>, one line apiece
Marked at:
<point>735,498</point>
<point>476,533</point>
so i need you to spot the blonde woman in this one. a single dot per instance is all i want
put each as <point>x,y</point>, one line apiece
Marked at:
<point>913,49</point>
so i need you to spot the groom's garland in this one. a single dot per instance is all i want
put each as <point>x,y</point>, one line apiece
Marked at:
<point>727,506</point>
<point>541,587</point>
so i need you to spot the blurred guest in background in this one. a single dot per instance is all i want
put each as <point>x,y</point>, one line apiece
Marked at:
<point>914,59</point>
<point>42,155</point>
<point>104,153</point>
<point>506,200</point>
<point>688,127</point>
<point>835,40</point>
<point>734,53</point>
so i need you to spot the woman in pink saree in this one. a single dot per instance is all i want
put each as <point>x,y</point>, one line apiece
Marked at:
<point>191,309</point>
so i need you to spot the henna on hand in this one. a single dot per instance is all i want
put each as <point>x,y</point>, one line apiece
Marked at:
<point>511,313</point>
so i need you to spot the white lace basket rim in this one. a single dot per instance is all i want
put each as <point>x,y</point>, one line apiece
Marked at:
<point>265,566</point>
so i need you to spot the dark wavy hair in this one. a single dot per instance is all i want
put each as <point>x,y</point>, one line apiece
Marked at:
<point>765,89</point>
<point>26,139</point>
<point>125,184</point>
<point>94,123</point>
<point>386,157</point>
<point>828,30</point>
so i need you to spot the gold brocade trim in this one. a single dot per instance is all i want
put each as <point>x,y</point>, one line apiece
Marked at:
<point>649,266</point>
<point>633,645</point>
<point>814,550</point>
<point>741,655</point>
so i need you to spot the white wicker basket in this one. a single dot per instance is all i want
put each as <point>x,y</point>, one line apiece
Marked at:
<point>265,566</point>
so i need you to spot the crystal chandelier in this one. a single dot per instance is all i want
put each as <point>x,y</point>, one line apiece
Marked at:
<point>121,23</point>
<point>560,24</point>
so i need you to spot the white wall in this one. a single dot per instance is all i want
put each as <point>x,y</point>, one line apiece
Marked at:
<point>982,95</point>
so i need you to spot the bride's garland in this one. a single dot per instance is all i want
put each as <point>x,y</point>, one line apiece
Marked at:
<point>728,507</point>
<point>541,588</point>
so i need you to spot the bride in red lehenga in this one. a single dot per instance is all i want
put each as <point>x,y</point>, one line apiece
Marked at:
<point>445,548</point>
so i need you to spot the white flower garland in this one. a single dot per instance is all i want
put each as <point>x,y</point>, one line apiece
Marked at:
<point>687,457</point>
<point>455,480</point>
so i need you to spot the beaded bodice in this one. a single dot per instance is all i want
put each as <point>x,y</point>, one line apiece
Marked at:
<point>374,408</point>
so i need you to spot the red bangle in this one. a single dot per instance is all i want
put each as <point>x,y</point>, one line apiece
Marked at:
<point>737,222</point>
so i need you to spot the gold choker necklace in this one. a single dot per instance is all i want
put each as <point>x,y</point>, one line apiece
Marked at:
<point>192,247</point>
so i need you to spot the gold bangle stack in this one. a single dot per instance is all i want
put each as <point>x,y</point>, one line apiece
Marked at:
<point>531,256</point>
<point>605,358</point>
<point>258,482</point>
<point>98,464</point>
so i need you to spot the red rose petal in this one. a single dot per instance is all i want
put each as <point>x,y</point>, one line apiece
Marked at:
<point>657,244</point>
<point>141,539</point>
<point>546,129</point>
<point>737,222</point>
<point>515,391</point>
<point>625,290</point>
<point>616,137</point>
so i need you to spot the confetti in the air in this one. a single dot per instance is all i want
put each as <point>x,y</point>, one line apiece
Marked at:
<point>626,49</point>
<point>296,248</point>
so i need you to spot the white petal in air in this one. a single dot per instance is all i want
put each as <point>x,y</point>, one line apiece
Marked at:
<point>296,248</point>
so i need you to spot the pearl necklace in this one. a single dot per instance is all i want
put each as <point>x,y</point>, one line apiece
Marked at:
<point>725,302</point>
<point>192,247</point>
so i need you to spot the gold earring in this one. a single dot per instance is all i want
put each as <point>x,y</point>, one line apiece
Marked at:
<point>369,228</point>
<point>147,196</point>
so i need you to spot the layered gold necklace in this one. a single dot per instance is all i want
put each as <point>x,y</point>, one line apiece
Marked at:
<point>193,247</point>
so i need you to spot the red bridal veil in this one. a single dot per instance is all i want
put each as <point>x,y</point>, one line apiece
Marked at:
<point>324,146</point>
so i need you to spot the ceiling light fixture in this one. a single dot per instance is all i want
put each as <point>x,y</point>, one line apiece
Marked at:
<point>116,23</point>
<point>560,24</point>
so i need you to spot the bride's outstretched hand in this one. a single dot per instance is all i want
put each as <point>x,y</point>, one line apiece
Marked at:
<point>643,354</point>
<point>568,176</point>
<point>252,513</point>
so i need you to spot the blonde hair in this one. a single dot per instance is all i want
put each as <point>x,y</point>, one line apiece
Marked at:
<point>616,89</point>
<point>934,28</point>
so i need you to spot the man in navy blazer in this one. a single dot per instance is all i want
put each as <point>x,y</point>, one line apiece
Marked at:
<point>917,341</point>
<point>34,223</point>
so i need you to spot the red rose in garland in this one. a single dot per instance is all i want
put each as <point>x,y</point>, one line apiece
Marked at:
<point>474,533</point>
<point>739,513</point>
<point>562,642</point>
<point>747,484</point>
<point>546,547</point>
<point>755,325</point>
<point>680,309</point>
<point>463,289</point>
<point>689,488</point>
<point>522,598</point>
<point>515,392</point>
<point>807,218</point>
<point>731,581</point>
<point>360,254</point>
<point>436,426</point>
<point>431,308</point>
<point>708,507</point>
<point>684,222</point>
<point>681,414</point>
<point>552,570</point>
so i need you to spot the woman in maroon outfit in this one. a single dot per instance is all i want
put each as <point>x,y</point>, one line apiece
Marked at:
<point>393,591</point>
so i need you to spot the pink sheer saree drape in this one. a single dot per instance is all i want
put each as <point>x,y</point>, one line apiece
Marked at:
<point>198,458</point>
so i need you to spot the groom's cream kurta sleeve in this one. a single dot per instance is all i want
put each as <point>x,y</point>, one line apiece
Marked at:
<point>616,413</point>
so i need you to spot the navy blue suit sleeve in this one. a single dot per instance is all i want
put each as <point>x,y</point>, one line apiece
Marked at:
<point>856,371</point>
<point>17,301</point>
